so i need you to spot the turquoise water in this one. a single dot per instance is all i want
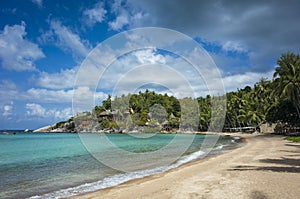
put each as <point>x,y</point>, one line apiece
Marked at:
<point>44,165</point>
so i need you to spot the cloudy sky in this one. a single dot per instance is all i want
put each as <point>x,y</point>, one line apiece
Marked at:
<point>43,44</point>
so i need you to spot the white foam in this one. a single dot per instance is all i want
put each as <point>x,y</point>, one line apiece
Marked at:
<point>234,139</point>
<point>191,157</point>
<point>116,179</point>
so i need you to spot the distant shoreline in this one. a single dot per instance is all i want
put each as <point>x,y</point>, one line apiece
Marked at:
<point>53,129</point>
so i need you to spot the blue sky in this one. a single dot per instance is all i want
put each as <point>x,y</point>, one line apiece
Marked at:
<point>43,43</point>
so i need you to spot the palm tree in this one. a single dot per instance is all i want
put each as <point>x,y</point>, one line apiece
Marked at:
<point>263,98</point>
<point>287,80</point>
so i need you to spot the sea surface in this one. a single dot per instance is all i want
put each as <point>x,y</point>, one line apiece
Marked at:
<point>58,165</point>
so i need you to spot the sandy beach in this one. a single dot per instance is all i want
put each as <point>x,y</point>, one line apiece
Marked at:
<point>265,167</point>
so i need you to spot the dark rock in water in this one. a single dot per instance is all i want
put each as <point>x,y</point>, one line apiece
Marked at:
<point>9,133</point>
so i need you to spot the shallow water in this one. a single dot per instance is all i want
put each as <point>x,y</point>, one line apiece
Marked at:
<point>43,165</point>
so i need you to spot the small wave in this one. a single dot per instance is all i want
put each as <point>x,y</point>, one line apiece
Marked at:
<point>219,147</point>
<point>191,157</point>
<point>117,179</point>
<point>235,139</point>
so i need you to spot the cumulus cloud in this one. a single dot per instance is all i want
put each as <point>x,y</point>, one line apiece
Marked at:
<point>121,21</point>
<point>49,96</point>
<point>66,40</point>
<point>125,15</point>
<point>61,114</point>
<point>37,110</point>
<point>233,82</point>
<point>233,46</point>
<point>161,71</point>
<point>8,109</point>
<point>264,29</point>
<point>83,98</point>
<point>17,53</point>
<point>149,56</point>
<point>95,14</point>
<point>132,70</point>
<point>166,73</point>
<point>64,79</point>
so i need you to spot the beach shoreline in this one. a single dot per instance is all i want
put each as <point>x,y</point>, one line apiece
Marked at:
<point>241,173</point>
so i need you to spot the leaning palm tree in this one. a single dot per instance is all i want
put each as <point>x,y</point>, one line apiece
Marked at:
<point>287,79</point>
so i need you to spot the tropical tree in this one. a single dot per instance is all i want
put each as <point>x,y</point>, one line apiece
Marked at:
<point>189,114</point>
<point>287,79</point>
<point>204,112</point>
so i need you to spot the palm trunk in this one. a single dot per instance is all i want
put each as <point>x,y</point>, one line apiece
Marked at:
<point>238,121</point>
<point>298,111</point>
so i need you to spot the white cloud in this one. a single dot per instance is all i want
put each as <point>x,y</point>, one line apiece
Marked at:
<point>148,66</point>
<point>125,15</point>
<point>125,74</point>
<point>233,82</point>
<point>132,71</point>
<point>116,6</point>
<point>83,98</point>
<point>37,110</point>
<point>266,29</point>
<point>66,40</point>
<point>149,56</point>
<point>49,96</point>
<point>95,15</point>
<point>7,109</point>
<point>123,65</point>
<point>119,22</point>
<point>64,79</point>
<point>233,46</point>
<point>16,52</point>
<point>62,114</point>
<point>38,2</point>
<point>69,40</point>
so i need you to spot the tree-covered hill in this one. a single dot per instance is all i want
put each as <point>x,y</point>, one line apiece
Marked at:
<point>274,101</point>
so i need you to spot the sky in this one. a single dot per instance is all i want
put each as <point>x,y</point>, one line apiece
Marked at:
<point>44,43</point>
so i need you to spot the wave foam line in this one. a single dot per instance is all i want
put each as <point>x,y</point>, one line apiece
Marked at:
<point>116,179</point>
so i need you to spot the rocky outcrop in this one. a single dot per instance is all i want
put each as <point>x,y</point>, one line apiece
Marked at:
<point>45,128</point>
<point>69,127</point>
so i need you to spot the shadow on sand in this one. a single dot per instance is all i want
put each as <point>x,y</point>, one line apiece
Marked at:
<point>293,145</point>
<point>290,165</point>
<point>258,195</point>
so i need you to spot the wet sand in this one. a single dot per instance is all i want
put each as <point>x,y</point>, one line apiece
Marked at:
<point>265,167</point>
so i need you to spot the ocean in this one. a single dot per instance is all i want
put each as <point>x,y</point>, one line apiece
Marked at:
<point>59,165</point>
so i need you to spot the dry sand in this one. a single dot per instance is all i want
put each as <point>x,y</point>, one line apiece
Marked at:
<point>265,167</point>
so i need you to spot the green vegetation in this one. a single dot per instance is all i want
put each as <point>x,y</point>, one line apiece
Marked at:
<point>287,83</point>
<point>275,101</point>
<point>293,139</point>
<point>148,108</point>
